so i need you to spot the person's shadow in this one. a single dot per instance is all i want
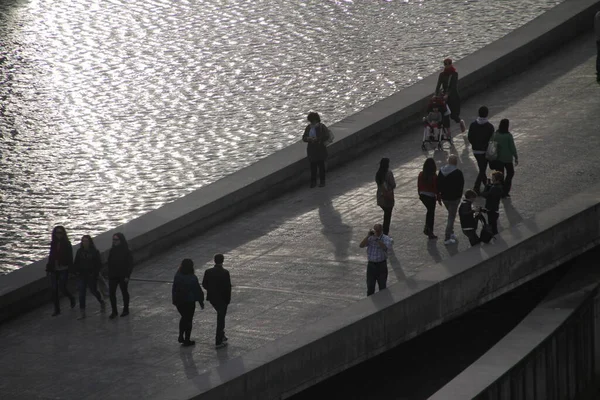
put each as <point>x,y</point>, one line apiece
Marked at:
<point>334,228</point>
<point>394,264</point>
<point>433,250</point>
<point>189,365</point>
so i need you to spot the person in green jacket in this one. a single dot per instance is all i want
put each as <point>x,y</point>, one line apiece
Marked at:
<point>507,153</point>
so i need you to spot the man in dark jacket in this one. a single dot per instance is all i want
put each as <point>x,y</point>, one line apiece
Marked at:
<point>480,133</point>
<point>451,183</point>
<point>217,283</point>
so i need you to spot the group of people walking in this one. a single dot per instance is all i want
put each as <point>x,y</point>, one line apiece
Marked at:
<point>87,266</point>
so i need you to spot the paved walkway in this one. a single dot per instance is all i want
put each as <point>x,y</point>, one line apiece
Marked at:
<point>296,259</point>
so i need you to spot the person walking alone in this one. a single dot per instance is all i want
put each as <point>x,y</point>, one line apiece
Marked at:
<point>120,266</point>
<point>378,244</point>
<point>480,133</point>
<point>451,183</point>
<point>507,152</point>
<point>428,194</point>
<point>217,283</point>
<point>186,292</point>
<point>60,261</point>
<point>448,81</point>
<point>385,192</point>
<point>316,135</point>
<point>88,264</point>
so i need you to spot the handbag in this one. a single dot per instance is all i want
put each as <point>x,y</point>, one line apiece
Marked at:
<point>492,150</point>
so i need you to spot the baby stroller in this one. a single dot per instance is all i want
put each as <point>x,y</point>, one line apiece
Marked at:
<point>435,130</point>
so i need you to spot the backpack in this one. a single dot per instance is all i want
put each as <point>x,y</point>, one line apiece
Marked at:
<point>492,150</point>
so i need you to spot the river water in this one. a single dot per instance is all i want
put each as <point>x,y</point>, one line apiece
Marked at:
<point>110,109</point>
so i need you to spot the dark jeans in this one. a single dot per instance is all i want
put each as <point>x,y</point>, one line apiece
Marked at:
<point>112,290</point>
<point>493,221</point>
<point>598,59</point>
<point>482,164</point>
<point>221,310</point>
<point>187,311</point>
<point>59,282</point>
<point>472,235</point>
<point>88,281</point>
<point>508,169</point>
<point>377,272</point>
<point>429,203</point>
<point>454,104</point>
<point>320,165</point>
<point>387,219</point>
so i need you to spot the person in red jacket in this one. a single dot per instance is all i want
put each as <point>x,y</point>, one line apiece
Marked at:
<point>429,194</point>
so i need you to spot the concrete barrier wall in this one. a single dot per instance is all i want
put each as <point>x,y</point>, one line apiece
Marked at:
<point>549,355</point>
<point>390,317</point>
<point>195,213</point>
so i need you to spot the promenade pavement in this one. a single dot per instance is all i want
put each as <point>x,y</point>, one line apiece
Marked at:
<point>296,259</point>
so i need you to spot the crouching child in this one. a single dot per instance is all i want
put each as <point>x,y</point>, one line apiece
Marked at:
<point>468,217</point>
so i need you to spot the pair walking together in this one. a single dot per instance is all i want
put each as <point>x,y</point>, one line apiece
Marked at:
<point>186,292</point>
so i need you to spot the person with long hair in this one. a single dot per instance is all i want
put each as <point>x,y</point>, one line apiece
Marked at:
<point>385,192</point>
<point>88,264</point>
<point>120,266</point>
<point>507,152</point>
<point>60,261</point>
<point>186,292</point>
<point>429,194</point>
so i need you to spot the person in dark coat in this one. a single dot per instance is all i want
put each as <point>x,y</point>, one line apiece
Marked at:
<point>120,266</point>
<point>316,135</point>
<point>186,292</point>
<point>480,133</point>
<point>448,81</point>
<point>60,261</point>
<point>217,283</point>
<point>493,194</point>
<point>429,194</point>
<point>88,264</point>
<point>385,192</point>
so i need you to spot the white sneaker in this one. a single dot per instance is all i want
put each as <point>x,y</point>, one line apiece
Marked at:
<point>449,242</point>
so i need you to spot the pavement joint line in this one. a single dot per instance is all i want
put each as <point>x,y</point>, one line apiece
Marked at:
<point>267,289</point>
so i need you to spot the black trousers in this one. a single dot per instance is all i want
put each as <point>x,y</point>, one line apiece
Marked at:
<point>387,219</point>
<point>482,163</point>
<point>221,310</point>
<point>493,220</point>
<point>429,203</point>
<point>112,290</point>
<point>320,165</point>
<point>186,310</point>
<point>377,272</point>
<point>59,283</point>
<point>472,235</point>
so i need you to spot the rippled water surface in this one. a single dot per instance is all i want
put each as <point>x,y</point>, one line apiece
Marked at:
<point>109,109</point>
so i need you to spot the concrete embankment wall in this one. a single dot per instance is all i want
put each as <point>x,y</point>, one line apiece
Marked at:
<point>407,309</point>
<point>195,213</point>
<point>552,354</point>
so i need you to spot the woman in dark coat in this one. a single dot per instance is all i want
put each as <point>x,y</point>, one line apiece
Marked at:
<point>385,192</point>
<point>186,292</point>
<point>60,261</point>
<point>120,266</point>
<point>448,81</point>
<point>87,264</point>
<point>316,135</point>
